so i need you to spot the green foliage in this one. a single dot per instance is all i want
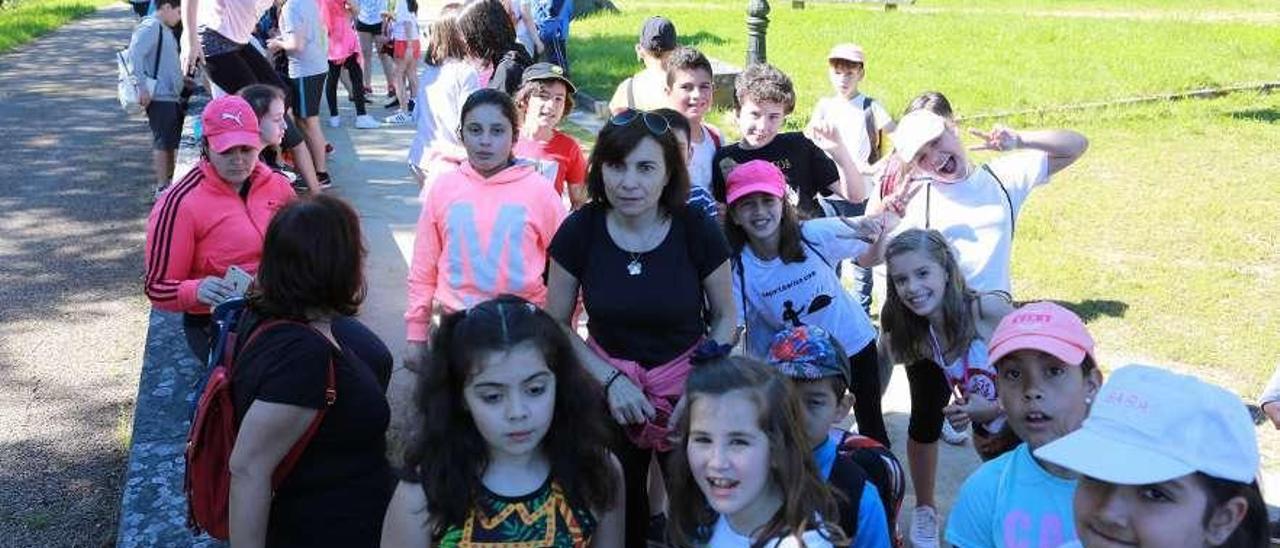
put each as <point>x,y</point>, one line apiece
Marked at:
<point>26,20</point>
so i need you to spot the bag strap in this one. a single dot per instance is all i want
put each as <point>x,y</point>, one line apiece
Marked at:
<point>815,251</point>
<point>873,134</point>
<point>155,68</point>
<point>330,396</point>
<point>1013,218</point>
<point>631,92</point>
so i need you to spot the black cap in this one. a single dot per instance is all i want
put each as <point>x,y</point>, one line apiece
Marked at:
<point>546,71</point>
<point>658,34</point>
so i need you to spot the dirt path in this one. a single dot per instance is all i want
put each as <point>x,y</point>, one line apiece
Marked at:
<point>73,178</point>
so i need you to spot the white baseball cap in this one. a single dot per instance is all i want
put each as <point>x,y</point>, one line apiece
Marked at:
<point>914,131</point>
<point>1150,425</point>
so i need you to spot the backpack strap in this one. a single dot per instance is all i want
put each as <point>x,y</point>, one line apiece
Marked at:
<point>873,133</point>
<point>155,68</point>
<point>1013,217</point>
<point>631,92</point>
<point>815,251</point>
<point>715,135</point>
<point>330,396</point>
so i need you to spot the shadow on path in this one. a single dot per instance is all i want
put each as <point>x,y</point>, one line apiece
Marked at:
<point>74,181</point>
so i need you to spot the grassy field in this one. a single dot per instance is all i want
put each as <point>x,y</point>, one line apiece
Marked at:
<point>984,62</point>
<point>1166,235</point>
<point>23,21</point>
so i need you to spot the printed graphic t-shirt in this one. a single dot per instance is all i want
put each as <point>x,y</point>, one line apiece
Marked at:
<point>558,160</point>
<point>1013,502</point>
<point>783,295</point>
<point>808,170</point>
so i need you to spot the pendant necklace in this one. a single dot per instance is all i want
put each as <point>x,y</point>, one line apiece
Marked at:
<point>635,267</point>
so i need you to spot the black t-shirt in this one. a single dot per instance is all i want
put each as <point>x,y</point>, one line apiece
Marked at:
<point>653,317</point>
<point>338,492</point>
<point>808,170</point>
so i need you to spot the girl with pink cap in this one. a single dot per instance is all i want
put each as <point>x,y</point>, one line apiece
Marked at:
<point>784,276</point>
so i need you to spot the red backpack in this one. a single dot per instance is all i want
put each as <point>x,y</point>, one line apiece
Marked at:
<point>213,434</point>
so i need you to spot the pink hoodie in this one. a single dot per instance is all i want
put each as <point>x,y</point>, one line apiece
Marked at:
<point>342,37</point>
<point>479,238</point>
<point>201,226</point>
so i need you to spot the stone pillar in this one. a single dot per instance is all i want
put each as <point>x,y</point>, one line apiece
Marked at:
<point>757,28</point>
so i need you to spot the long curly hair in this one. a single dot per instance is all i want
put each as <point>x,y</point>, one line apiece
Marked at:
<point>791,467</point>
<point>448,455</point>
<point>487,30</point>
<point>905,329</point>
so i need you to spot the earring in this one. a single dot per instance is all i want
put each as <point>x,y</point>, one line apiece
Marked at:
<point>1088,400</point>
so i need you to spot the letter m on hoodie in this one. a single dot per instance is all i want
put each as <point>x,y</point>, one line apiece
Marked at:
<point>504,239</point>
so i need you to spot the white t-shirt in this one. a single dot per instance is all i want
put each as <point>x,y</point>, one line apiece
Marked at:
<point>1011,502</point>
<point>974,214</point>
<point>302,17</point>
<point>723,536</point>
<point>783,295</point>
<point>700,160</point>
<point>850,119</point>
<point>399,30</point>
<point>443,89</point>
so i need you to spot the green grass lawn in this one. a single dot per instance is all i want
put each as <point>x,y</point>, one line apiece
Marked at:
<point>984,62</point>
<point>25,20</point>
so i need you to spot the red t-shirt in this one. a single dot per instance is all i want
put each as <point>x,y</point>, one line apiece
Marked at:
<point>559,159</point>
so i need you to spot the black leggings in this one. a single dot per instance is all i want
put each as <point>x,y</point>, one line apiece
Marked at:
<point>866,389</point>
<point>357,84</point>
<point>930,392</point>
<point>234,70</point>
<point>635,474</point>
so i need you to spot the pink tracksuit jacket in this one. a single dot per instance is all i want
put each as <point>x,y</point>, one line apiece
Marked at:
<point>201,226</point>
<point>479,238</point>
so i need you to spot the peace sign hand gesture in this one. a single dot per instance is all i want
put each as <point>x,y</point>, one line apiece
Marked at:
<point>1001,138</point>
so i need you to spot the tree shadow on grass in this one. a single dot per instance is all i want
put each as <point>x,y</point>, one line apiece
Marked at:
<point>1267,115</point>
<point>1092,309</point>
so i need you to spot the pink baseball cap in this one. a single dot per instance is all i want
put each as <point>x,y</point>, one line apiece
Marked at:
<point>755,176</point>
<point>1042,326</point>
<point>848,52</point>
<point>229,121</point>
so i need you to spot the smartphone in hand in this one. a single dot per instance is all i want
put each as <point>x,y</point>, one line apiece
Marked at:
<point>239,281</point>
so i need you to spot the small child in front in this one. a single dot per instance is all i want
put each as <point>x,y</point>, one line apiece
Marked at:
<point>820,376</point>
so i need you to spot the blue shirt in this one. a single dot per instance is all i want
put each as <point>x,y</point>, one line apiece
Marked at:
<point>1013,502</point>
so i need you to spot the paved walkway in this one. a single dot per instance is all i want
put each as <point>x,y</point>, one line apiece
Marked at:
<point>74,180</point>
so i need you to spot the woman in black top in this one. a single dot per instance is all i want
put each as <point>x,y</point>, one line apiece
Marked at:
<point>312,276</point>
<point>655,281</point>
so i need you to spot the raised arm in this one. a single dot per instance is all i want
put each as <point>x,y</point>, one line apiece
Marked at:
<point>1063,146</point>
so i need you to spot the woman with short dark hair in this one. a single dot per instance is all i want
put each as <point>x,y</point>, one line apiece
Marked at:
<point>655,281</point>
<point>316,366</point>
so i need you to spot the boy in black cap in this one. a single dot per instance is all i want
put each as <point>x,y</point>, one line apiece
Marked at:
<point>545,97</point>
<point>868,475</point>
<point>647,90</point>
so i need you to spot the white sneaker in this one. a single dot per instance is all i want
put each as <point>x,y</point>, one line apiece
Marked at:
<point>398,119</point>
<point>953,436</point>
<point>924,527</point>
<point>335,121</point>
<point>364,121</point>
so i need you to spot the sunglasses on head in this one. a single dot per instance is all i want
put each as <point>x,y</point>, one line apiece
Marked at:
<point>656,123</point>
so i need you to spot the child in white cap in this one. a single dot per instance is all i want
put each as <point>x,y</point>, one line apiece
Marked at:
<point>976,207</point>
<point>1166,460</point>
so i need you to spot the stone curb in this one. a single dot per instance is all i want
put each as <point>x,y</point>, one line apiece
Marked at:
<point>153,506</point>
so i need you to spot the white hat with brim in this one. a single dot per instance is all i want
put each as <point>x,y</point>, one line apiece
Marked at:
<point>915,130</point>
<point>1149,425</point>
